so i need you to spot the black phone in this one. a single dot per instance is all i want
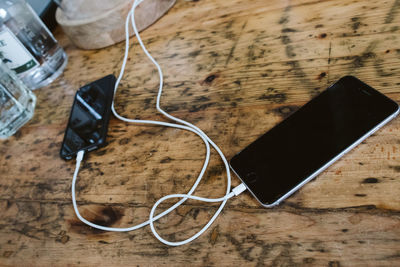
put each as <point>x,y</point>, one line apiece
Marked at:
<point>89,117</point>
<point>299,148</point>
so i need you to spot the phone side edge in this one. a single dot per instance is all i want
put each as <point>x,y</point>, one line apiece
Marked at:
<point>65,156</point>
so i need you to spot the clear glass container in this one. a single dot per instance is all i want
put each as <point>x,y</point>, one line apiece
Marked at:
<point>26,45</point>
<point>17,102</point>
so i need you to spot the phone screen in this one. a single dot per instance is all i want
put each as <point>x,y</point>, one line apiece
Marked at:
<point>300,147</point>
<point>88,122</point>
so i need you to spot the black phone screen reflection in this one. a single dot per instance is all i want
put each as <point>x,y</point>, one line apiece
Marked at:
<point>306,141</point>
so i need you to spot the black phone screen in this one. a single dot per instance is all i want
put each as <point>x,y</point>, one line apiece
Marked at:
<point>88,122</point>
<point>310,138</point>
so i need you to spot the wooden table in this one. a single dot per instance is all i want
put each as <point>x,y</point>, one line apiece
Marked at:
<point>235,69</point>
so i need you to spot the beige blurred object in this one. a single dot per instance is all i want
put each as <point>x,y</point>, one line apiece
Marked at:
<point>93,24</point>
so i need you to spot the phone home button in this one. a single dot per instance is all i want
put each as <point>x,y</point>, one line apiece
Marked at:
<point>251,177</point>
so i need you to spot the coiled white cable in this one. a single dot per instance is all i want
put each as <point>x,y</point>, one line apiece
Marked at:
<point>181,124</point>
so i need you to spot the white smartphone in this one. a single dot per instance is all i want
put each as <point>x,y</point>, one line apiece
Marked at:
<point>299,148</point>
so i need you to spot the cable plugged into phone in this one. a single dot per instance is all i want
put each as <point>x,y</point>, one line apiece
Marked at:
<point>79,156</point>
<point>178,123</point>
<point>235,192</point>
<point>239,189</point>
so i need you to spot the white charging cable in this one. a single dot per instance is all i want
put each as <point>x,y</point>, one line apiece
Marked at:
<point>181,124</point>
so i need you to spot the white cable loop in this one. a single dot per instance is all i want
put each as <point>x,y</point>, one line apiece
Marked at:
<point>181,124</point>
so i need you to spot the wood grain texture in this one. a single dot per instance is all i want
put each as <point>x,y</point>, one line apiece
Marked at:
<point>235,69</point>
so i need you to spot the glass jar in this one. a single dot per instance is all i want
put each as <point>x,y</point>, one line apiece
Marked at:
<point>17,102</point>
<point>26,45</point>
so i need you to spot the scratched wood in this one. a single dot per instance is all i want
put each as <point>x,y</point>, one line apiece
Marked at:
<point>235,69</point>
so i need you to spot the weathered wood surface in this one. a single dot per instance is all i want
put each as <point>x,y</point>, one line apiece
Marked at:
<point>235,69</point>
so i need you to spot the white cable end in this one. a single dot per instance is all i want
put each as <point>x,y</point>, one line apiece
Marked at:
<point>79,156</point>
<point>239,189</point>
